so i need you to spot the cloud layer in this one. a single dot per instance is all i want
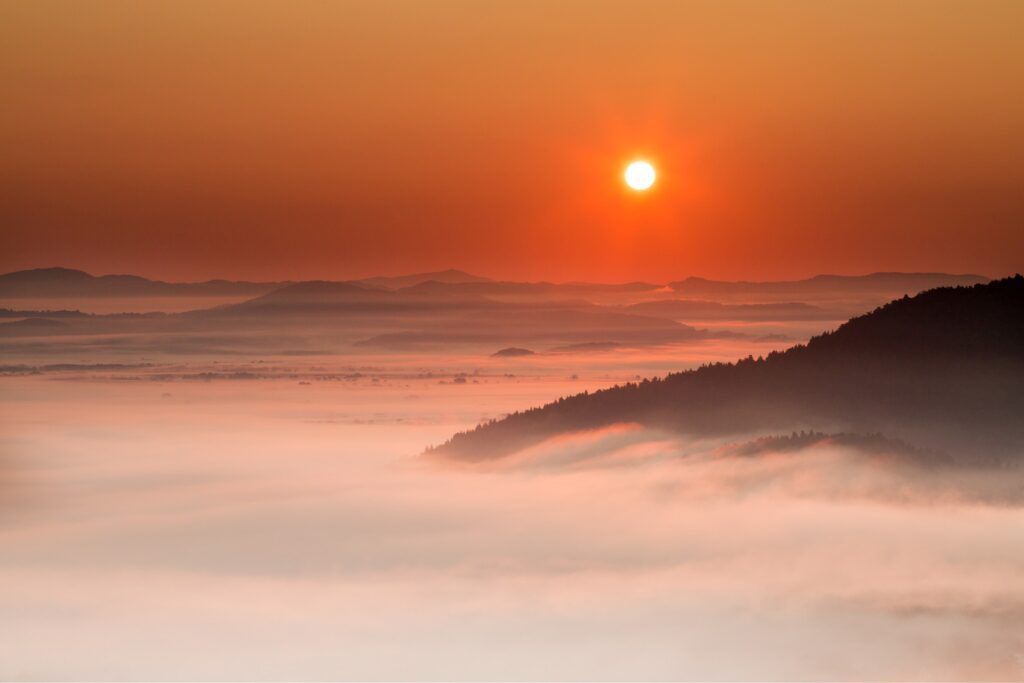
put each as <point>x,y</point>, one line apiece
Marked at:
<point>268,530</point>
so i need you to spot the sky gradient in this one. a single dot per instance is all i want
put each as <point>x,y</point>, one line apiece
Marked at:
<point>267,140</point>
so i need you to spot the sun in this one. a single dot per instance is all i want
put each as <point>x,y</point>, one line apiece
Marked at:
<point>640,175</point>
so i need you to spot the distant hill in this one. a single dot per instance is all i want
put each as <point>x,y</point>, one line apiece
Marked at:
<point>889,285</point>
<point>697,309</point>
<point>530,291</point>
<point>70,283</point>
<point>499,287</point>
<point>450,276</point>
<point>66,282</point>
<point>588,347</point>
<point>32,327</point>
<point>512,352</point>
<point>436,315</point>
<point>943,369</point>
<point>60,313</point>
<point>315,292</point>
<point>346,315</point>
<point>319,297</point>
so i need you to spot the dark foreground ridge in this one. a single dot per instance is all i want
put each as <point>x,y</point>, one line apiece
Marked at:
<point>943,369</point>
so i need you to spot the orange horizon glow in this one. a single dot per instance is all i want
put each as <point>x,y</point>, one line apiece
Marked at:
<point>268,141</point>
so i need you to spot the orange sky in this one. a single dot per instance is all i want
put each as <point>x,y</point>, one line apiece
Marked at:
<point>189,140</point>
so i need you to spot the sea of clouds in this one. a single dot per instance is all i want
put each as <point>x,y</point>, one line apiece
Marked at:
<point>263,529</point>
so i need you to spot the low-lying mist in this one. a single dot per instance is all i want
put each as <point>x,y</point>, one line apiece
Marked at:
<point>288,527</point>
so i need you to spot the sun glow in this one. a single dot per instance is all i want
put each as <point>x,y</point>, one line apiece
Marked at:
<point>640,175</point>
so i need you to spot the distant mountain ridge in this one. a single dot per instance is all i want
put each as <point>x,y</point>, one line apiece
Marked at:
<point>883,282</point>
<point>424,315</point>
<point>357,315</point>
<point>944,368</point>
<point>67,282</point>
<point>324,296</point>
<point>449,276</point>
<point>697,309</point>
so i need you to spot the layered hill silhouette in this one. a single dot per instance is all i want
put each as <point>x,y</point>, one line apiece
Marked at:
<point>450,276</point>
<point>70,283</point>
<point>941,370</point>
<point>420,311</point>
<point>436,313</point>
<point>891,284</point>
<point>334,316</point>
<point>532,291</point>
<point>697,309</point>
<point>67,282</point>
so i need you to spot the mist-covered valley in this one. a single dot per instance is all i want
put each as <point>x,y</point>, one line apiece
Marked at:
<point>249,490</point>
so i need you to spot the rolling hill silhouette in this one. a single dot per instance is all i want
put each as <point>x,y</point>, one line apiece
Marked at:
<point>450,276</point>
<point>449,308</point>
<point>67,282</point>
<point>310,296</point>
<point>353,315</point>
<point>890,284</point>
<point>862,292</point>
<point>697,309</point>
<point>940,370</point>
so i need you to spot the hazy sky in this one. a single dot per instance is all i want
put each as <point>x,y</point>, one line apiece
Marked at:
<point>271,140</point>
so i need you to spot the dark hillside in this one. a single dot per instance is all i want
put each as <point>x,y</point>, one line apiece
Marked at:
<point>945,368</point>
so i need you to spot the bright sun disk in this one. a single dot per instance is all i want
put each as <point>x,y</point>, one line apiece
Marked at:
<point>640,175</point>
